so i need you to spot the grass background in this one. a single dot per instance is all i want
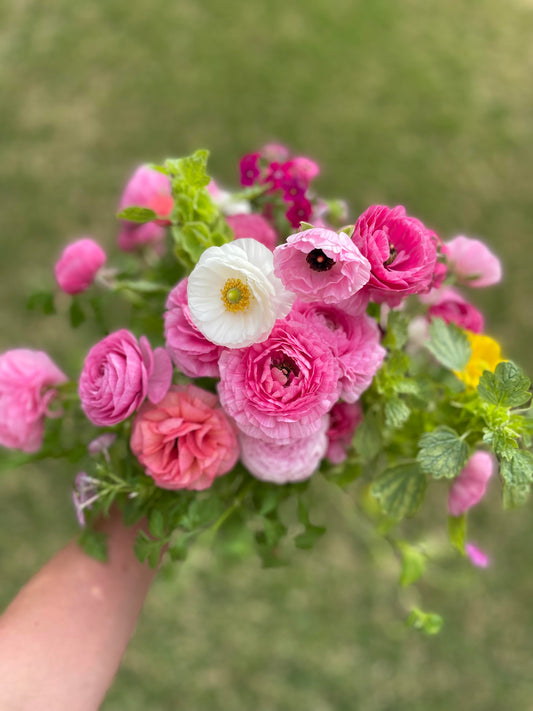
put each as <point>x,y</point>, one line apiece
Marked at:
<point>418,102</point>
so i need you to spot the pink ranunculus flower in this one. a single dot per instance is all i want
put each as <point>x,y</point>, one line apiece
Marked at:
<point>344,418</point>
<point>472,262</point>
<point>354,341</point>
<point>189,349</point>
<point>27,382</point>
<point>402,253</point>
<point>280,389</point>
<point>78,265</point>
<point>284,463</point>
<point>186,440</point>
<point>132,236</point>
<point>146,188</point>
<point>469,487</point>
<point>119,373</point>
<point>255,227</point>
<point>319,264</point>
<point>450,306</point>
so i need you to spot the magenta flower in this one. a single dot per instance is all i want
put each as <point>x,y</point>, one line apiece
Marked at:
<point>249,167</point>
<point>354,340</point>
<point>277,174</point>
<point>321,264</point>
<point>469,487</point>
<point>281,388</point>
<point>344,418</point>
<point>186,440</point>
<point>78,265</point>
<point>118,374</point>
<point>452,308</point>
<point>472,262</point>
<point>27,382</point>
<point>146,188</point>
<point>284,463</point>
<point>402,253</point>
<point>255,227</point>
<point>477,557</point>
<point>189,349</point>
<point>300,211</point>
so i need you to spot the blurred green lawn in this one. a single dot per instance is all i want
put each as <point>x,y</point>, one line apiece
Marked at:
<point>420,102</point>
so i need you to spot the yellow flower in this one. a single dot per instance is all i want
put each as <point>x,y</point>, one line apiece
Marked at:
<point>486,354</point>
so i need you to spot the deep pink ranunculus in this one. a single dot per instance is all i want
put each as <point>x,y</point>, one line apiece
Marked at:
<point>344,418</point>
<point>470,486</point>
<point>402,253</point>
<point>319,264</point>
<point>189,349</point>
<point>119,373</point>
<point>452,308</point>
<point>186,440</point>
<point>354,340</point>
<point>27,381</point>
<point>281,388</point>
<point>146,188</point>
<point>472,262</point>
<point>78,265</point>
<point>255,227</point>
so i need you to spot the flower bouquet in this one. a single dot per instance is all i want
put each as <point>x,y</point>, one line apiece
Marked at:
<point>253,342</point>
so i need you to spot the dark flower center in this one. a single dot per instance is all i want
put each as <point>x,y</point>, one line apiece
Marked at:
<point>393,252</point>
<point>286,367</point>
<point>318,261</point>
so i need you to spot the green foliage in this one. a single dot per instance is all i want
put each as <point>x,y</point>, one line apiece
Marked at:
<point>427,622</point>
<point>449,344</point>
<point>94,543</point>
<point>396,336</point>
<point>442,453</point>
<point>42,302</point>
<point>311,533</point>
<point>413,562</point>
<point>368,439</point>
<point>137,214</point>
<point>400,490</point>
<point>76,313</point>
<point>506,387</point>
<point>457,532</point>
<point>517,474</point>
<point>396,412</point>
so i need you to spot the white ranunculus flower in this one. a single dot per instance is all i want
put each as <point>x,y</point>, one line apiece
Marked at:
<point>233,296</point>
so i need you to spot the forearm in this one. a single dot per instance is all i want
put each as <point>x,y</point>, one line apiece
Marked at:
<point>63,636</point>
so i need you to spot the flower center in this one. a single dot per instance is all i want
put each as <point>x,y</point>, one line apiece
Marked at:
<point>236,295</point>
<point>283,367</point>
<point>318,261</point>
<point>393,253</point>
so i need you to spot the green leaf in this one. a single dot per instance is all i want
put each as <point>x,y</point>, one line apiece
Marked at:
<point>413,563</point>
<point>94,543</point>
<point>517,471</point>
<point>156,524</point>
<point>515,496</point>
<point>137,214</point>
<point>76,314</point>
<point>442,453</point>
<point>368,439</point>
<point>457,532</point>
<point>400,490</point>
<point>427,622</point>
<point>43,302</point>
<point>396,412</point>
<point>396,336</point>
<point>506,387</point>
<point>193,168</point>
<point>312,533</point>
<point>449,344</point>
<point>343,474</point>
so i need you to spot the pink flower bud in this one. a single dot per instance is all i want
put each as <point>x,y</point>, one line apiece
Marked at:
<point>78,265</point>
<point>469,487</point>
<point>472,262</point>
<point>476,556</point>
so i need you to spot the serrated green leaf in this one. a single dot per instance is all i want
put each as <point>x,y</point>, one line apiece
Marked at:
<point>43,302</point>
<point>137,214</point>
<point>396,336</point>
<point>400,490</point>
<point>413,563</point>
<point>76,314</point>
<point>427,622</point>
<point>515,496</point>
<point>442,453</point>
<point>517,471</point>
<point>156,524</point>
<point>396,412</point>
<point>94,543</point>
<point>449,344</point>
<point>193,168</point>
<point>506,387</point>
<point>457,532</point>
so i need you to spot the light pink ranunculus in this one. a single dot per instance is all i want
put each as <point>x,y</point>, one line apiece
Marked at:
<point>254,226</point>
<point>402,253</point>
<point>119,373</point>
<point>304,168</point>
<point>284,463</point>
<point>354,341</point>
<point>280,389</point>
<point>470,486</point>
<point>78,265</point>
<point>186,440</point>
<point>344,418</point>
<point>319,264</point>
<point>189,349</point>
<point>27,381</point>
<point>145,188</point>
<point>472,262</point>
<point>450,306</point>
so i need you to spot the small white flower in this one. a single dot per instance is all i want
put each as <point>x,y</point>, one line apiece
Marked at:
<point>233,296</point>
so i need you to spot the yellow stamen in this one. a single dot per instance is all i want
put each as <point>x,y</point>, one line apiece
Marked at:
<point>236,296</point>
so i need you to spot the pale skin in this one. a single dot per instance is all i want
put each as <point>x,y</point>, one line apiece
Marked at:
<point>64,634</point>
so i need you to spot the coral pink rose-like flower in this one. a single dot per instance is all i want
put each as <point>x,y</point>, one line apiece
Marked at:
<point>186,440</point>
<point>344,418</point>
<point>354,341</point>
<point>470,486</point>
<point>280,389</point>
<point>284,463</point>
<point>27,381</point>
<point>452,308</point>
<point>319,264</point>
<point>78,265</point>
<point>189,349</point>
<point>255,227</point>
<point>402,253</point>
<point>472,262</point>
<point>119,373</point>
